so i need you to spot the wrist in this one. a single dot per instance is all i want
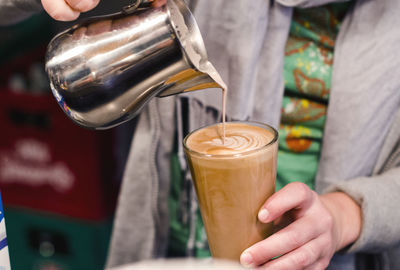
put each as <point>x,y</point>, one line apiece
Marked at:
<point>347,217</point>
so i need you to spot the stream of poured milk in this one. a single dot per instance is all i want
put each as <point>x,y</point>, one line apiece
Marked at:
<point>208,68</point>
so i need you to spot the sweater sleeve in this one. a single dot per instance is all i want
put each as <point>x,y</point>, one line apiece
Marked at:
<point>379,199</point>
<point>13,11</point>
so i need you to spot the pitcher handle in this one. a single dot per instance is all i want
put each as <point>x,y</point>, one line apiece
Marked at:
<point>137,5</point>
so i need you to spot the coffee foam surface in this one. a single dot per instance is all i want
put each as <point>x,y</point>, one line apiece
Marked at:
<point>239,138</point>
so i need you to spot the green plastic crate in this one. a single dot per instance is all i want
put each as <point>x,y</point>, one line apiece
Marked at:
<point>41,241</point>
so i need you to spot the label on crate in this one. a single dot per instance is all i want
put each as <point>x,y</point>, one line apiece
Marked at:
<point>30,163</point>
<point>4,256</point>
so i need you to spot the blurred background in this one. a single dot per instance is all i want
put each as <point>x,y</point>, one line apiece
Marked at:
<point>59,182</point>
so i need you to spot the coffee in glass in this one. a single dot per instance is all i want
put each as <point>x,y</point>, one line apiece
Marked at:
<point>233,177</point>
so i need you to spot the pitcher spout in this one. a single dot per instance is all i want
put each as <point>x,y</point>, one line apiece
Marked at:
<point>187,81</point>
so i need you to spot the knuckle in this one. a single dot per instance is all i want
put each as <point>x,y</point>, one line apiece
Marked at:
<point>301,259</point>
<point>295,238</point>
<point>302,189</point>
<point>305,257</point>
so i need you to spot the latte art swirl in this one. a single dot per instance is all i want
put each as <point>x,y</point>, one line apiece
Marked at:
<point>239,138</point>
<point>238,142</point>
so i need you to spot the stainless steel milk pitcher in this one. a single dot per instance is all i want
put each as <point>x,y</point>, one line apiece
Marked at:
<point>104,71</point>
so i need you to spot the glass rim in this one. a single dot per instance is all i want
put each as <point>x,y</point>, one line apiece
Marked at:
<point>253,123</point>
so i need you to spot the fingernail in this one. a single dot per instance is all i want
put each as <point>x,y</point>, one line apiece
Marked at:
<point>246,259</point>
<point>263,214</point>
